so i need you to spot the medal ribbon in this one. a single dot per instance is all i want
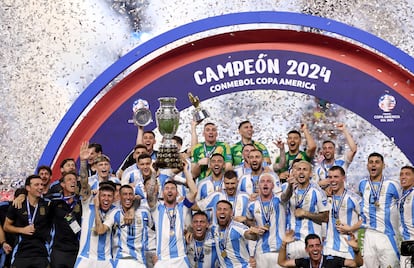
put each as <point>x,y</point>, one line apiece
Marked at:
<point>102,214</point>
<point>300,202</point>
<point>223,241</point>
<point>74,202</point>
<point>401,201</point>
<point>267,214</point>
<point>171,217</point>
<point>325,169</point>
<point>320,264</point>
<point>255,183</point>
<point>220,186</point>
<point>336,208</point>
<point>209,153</point>
<point>376,194</point>
<point>198,256</point>
<point>234,203</point>
<point>31,218</point>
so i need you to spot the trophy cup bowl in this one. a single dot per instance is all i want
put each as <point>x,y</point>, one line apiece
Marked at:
<point>142,117</point>
<point>199,114</point>
<point>168,120</point>
<point>141,113</point>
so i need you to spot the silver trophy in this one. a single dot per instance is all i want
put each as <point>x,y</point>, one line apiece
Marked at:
<point>141,113</point>
<point>168,120</point>
<point>199,114</point>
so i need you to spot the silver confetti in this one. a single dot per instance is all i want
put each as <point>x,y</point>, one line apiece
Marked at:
<point>52,50</point>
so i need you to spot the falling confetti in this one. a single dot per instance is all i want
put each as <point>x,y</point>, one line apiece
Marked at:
<point>52,50</point>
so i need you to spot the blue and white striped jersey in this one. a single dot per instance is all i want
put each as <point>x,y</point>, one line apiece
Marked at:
<point>347,210</point>
<point>232,242</point>
<point>91,245</point>
<point>321,170</point>
<point>382,214</point>
<point>273,215</point>
<point>239,202</point>
<point>203,253</point>
<point>208,186</point>
<point>170,224</point>
<point>131,241</point>
<point>406,206</point>
<point>312,199</point>
<point>249,183</point>
<point>93,181</point>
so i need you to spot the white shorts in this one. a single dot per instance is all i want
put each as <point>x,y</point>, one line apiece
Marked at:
<point>296,250</point>
<point>380,250</point>
<point>127,263</point>
<point>180,262</point>
<point>268,259</point>
<point>82,262</point>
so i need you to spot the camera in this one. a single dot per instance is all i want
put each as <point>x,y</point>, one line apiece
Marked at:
<point>407,248</point>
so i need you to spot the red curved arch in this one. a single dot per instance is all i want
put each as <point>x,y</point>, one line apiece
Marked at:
<point>362,59</point>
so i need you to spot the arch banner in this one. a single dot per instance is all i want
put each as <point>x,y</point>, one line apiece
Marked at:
<point>374,83</point>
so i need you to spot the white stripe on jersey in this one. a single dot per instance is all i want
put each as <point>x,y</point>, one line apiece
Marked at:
<point>93,181</point>
<point>407,217</point>
<point>315,201</point>
<point>91,245</point>
<point>166,175</point>
<point>348,214</point>
<point>209,203</point>
<point>271,240</point>
<point>321,170</point>
<point>208,186</point>
<point>209,253</point>
<point>249,183</point>
<point>130,241</point>
<point>131,175</point>
<point>170,245</point>
<point>237,254</point>
<point>241,170</point>
<point>383,218</point>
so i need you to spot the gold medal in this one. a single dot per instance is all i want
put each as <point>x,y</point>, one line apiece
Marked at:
<point>195,265</point>
<point>77,208</point>
<point>42,211</point>
<point>267,226</point>
<point>337,222</point>
<point>223,254</point>
<point>377,204</point>
<point>172,232</point>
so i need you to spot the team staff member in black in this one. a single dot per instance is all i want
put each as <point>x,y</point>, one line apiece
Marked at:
<point>32,224</point>
<point>316,259</point>
<point>67,214</point>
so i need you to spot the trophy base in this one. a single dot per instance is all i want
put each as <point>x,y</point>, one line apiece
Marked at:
<point>168,157</point>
